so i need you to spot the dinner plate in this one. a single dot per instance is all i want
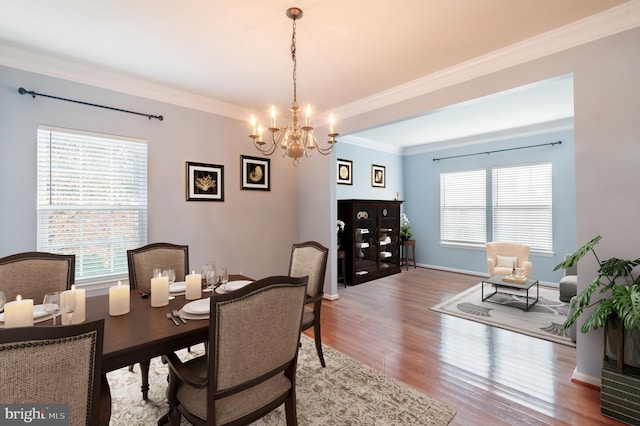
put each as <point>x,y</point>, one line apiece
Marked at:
<point>177,287</point>
<point>38,312</point>
<point>235,285</point>
<point>198,307</point>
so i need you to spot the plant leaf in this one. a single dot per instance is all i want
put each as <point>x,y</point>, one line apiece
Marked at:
<point>579,254</point>
<point>626,304</point>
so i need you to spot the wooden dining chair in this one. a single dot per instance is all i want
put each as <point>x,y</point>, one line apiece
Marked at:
<point>250,369</point>
<point>310,259</point>
<point>141,262</point>
<point>34,274</point>
<point>55,365</point>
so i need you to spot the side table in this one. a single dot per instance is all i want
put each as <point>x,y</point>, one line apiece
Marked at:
<point>341,271</point>
<point>405,245</point>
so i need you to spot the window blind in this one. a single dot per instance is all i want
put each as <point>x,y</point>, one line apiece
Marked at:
<point>92,199</point>
<point>463,207</point>
<point>522,205</point>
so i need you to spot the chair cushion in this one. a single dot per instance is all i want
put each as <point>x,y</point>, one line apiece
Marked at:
<point>568,287</point>
<point>234,406</point>
<point>506,261</point>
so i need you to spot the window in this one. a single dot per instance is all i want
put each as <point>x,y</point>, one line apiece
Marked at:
<point>522,205</point>
<point>92,199</point>
<point>463,208</point>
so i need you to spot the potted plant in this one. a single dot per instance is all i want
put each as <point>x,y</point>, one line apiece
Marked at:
<point>340,231</point>
<point>618,311</point>
<point>405,234</point>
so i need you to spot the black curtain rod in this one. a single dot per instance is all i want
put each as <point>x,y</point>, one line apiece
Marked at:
<point>24,91</point>
<point>498,150</point>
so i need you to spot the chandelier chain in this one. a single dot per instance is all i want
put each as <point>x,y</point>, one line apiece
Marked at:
<point>295,63</point>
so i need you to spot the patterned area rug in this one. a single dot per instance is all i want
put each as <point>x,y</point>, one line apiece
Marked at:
<point>543,320</point>
<point>346,392</point>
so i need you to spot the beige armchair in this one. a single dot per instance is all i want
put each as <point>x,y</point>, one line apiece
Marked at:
<point>502,255</point>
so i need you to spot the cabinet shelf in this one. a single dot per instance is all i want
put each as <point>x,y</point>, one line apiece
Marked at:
<point>371,239</point>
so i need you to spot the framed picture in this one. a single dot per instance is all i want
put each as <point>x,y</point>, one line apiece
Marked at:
<point>378,178</point>
<point>205,182</point>
<point>345,172</point>
<point>255,173</point>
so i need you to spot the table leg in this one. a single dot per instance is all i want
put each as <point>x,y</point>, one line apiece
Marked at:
<point>144,371</point>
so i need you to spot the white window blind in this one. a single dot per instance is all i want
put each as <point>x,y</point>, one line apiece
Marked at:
<point>522,205</point>
<point>92,199</point>
<point>463,207</point>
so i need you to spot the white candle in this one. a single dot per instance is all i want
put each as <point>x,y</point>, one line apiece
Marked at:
<point>119,300</point>
<point>194,286</point>
<point>79,315</point>
<point>253,126</point>
<point>18,313</point>
<point>308,121</point>
<point>159,291</point>
<point>331,124</point>
<point>273,116</point>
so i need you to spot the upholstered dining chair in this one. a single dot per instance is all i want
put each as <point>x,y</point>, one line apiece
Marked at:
<point>250,368</point>
<point>502,256</point>
<point>310,259</point>
<point>55,365</point>
<point>142,261</point>
<point>34,274</point>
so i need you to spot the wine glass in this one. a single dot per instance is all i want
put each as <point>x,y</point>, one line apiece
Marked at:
<point>211,279</point>
<point>3,300</point>
<point>223,277</point>
<point>51,304</point>
<point>171,274</point>
<point>69,303</point>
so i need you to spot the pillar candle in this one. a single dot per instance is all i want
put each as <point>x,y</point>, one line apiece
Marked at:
<point>194,286</point>
<point>119,300</point>
<point>79,315</point>
<point>159,291</point>
<point>18,313</point>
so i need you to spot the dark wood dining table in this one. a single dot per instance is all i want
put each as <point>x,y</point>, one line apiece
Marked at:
<point>143,333</point>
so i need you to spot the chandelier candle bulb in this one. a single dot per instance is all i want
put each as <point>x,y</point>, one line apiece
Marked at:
<point>194,286</point>
<point>79,315</point>
<point>159,291</point>
<point>253,125</point>
<point>273,117</point>
<point>119,303</point>
<point>18,313</point>
<point>308,120</point>
<point>331,125</point>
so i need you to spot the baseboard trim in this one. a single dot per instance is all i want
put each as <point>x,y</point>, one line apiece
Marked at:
<point>586,380</point>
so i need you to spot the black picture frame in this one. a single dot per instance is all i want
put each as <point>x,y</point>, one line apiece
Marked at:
<point>378,176</point>
<point>345,172</point>
<point>205,182</point>
<point>255,173</point>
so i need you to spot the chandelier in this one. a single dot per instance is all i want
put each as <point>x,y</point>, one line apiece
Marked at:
<point>295,139</point>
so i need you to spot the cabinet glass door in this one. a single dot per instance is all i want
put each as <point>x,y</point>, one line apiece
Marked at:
<point>366,246</point>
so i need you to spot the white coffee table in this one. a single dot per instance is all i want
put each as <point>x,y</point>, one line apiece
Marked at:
<point>499,285</point>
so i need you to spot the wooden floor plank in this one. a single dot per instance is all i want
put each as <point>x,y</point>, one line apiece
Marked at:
<point>489,375</point>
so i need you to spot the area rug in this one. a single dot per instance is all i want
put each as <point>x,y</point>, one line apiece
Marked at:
<point>543,320</point>
<point>346,392</point>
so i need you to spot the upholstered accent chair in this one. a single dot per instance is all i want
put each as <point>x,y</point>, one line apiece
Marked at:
<point>250,368</point>
<point>142,261</point>
<point>568,284</point>
<point>310,259</point>
<point>501,257</point>
<point>55,365</point>
<point>34,274</point>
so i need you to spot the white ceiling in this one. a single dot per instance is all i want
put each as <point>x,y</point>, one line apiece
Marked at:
<point>236,53</point>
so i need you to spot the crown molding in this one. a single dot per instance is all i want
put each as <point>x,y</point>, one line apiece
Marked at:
<point>369,144</point>
<point>536,129</point>
<point>99,77</point>
<point>610,22</point>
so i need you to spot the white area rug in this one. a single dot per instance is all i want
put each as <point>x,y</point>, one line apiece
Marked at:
<point>346,392</point>
<point>543,320</point>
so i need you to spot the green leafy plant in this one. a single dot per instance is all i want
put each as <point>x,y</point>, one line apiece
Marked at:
<point>404,227</point>
<point>615,277</point>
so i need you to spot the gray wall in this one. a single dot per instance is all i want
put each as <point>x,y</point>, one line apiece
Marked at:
<point>251,231</point>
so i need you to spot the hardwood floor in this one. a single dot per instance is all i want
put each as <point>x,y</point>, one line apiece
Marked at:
<point>489,375</point>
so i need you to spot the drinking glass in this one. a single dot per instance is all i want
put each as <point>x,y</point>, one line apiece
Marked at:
<point>51,304</point>
<point>211,279</point>
<point>171,274</point>
<point>3,300</point>
<point>223,276</point>
<point>69,303</point>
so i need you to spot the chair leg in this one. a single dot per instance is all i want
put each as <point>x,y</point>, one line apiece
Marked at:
<point>290,410</point>
<point>105,401</point>
<point>318,340</point>
<point>144,372</point>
